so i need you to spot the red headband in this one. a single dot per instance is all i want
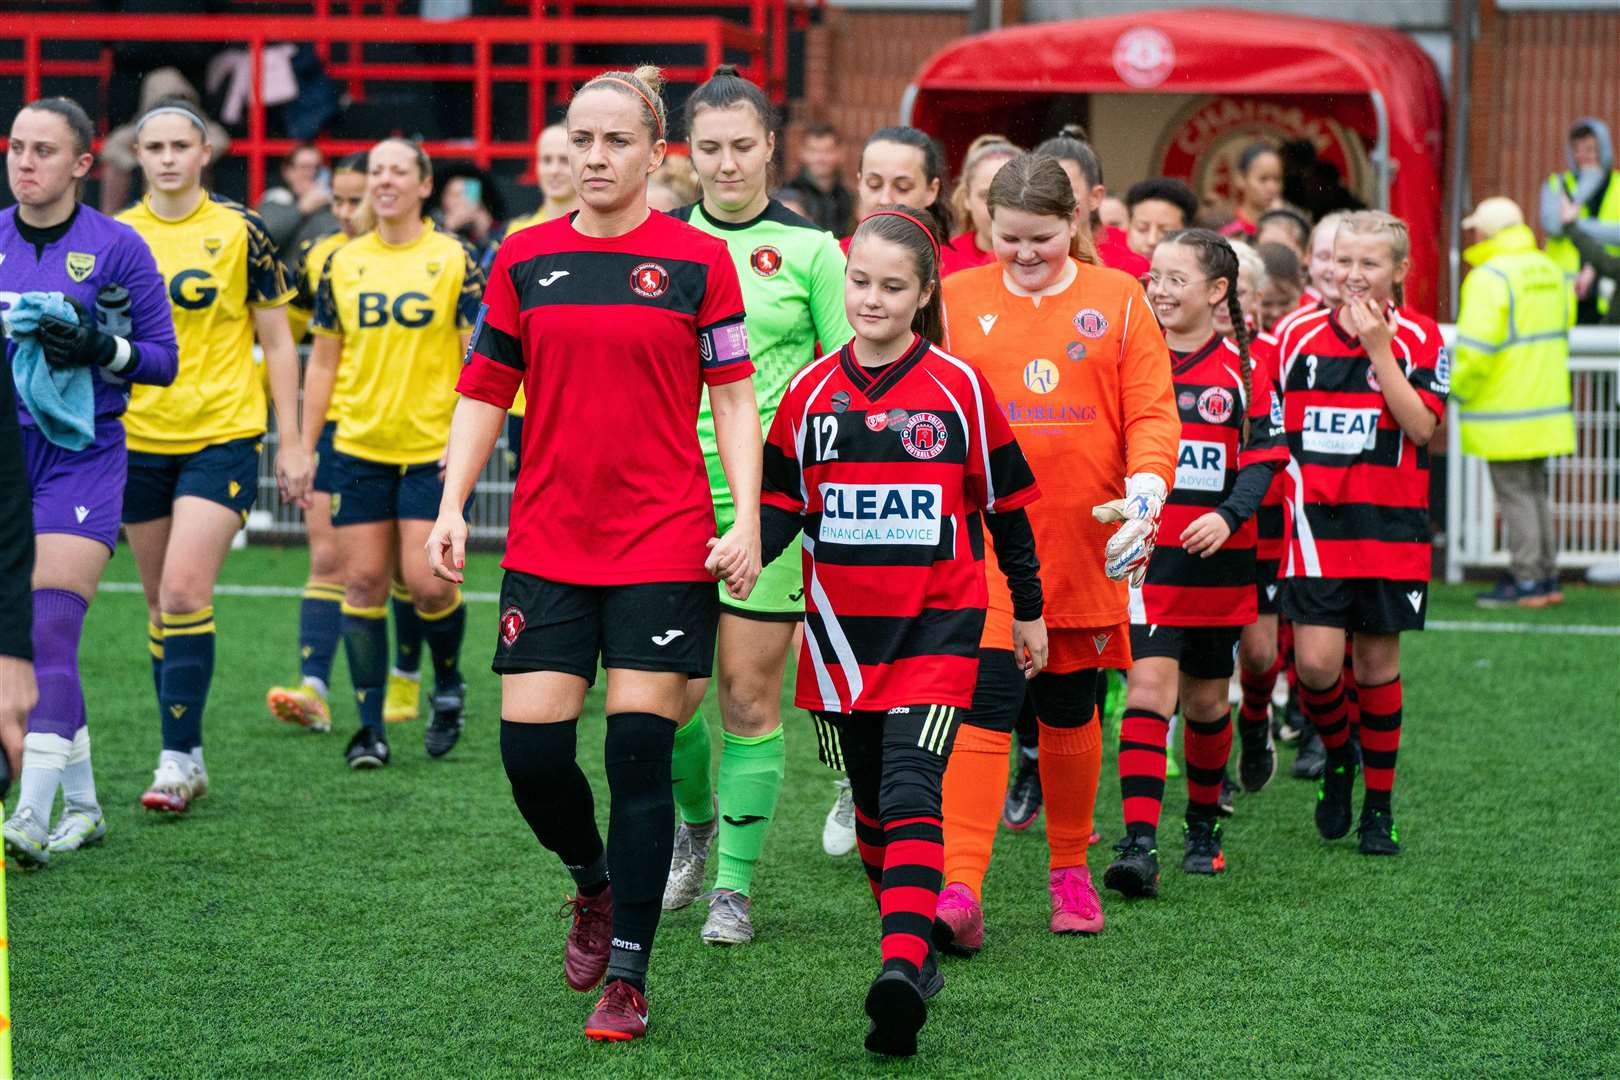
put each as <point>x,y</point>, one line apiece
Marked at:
<point>640,93</point>
<point>932,242</point>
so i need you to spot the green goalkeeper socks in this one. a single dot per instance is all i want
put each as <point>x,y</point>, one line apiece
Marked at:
<point>689,772</point>
<point>750,781</point>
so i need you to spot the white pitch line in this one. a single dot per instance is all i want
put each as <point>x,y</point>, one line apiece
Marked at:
<point>272,591</point>
<point>1463,625</point>
<point>1523,628</point>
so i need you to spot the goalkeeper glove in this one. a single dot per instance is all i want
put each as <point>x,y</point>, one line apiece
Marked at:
<point>82,344</point>
<point>1128,552</point>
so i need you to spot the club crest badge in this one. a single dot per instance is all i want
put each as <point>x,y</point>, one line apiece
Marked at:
<point>511,625</point>
<point>649,280</point>
<point>924,436</point>
<point>1091,323</point>
<point>80,265</point>
<point>765,260</point>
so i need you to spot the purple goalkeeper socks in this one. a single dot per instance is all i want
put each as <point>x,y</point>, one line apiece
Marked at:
<point>58,623</point>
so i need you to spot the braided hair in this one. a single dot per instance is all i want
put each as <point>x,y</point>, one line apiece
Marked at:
<point>1218,262</point>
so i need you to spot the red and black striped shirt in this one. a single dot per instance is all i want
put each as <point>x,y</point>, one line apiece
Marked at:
<point>1183,589</point>
<point>889,469</point>
<point>613,340</point>
<point>1358,488</point>
<point>1268,542</point>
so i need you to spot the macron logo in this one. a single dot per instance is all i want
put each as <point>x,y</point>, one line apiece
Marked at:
<point>987,323</point>
<point>1415,598</point>
<point>1271,592</point>
<point>552,278</point>
<point>81,512</point>
<point>666,637</point>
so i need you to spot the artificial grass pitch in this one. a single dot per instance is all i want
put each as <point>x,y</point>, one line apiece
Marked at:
<point>303,920</point>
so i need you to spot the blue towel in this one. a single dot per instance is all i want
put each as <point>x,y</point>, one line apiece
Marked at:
<point>61,400</point>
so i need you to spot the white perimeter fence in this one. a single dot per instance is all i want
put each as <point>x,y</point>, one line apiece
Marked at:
<point>1585,485</point>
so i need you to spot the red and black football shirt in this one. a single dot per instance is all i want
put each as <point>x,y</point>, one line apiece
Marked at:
<point>1358,490</point>
<point>612,340</point>
<point>890,468</point>
<point>1211,396</point>
<point>1268,544</point>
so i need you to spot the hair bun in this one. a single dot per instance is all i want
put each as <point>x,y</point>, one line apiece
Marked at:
<point>727,71</point>
<point>652,76</point>
<point>1074,131</point>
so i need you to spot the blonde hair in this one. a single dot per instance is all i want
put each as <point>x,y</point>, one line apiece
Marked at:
<point>1329,222</point>
<point>1250,262</point>
<point>980,150</point>
<point>679,175</point>
<point>1379,223</point>
<point>646,86</point>
<point>1038,185</point>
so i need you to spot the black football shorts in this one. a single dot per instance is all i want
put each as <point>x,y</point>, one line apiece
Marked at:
<point>656,626</point>
<point>1359,605</point>
<point>1203,652</point>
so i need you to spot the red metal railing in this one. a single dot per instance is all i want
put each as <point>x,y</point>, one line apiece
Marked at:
<point>717,37</point>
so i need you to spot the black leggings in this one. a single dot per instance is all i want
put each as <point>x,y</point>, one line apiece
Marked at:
<point>1028,727</point>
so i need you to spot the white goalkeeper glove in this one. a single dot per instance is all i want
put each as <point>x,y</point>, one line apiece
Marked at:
<point>1127,554</point>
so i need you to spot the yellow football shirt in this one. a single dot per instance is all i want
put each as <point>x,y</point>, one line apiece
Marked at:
<point>302,309</point>
<point>312,256</point>
<point>219,263</point>
<point>401,312</point>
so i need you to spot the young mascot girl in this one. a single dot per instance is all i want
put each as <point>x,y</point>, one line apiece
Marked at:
<point>1081,371</point>
<point>891,457</point>
<point>1364,385</point>
<point>611,553</point>
<point>1260,660</point>
<point>971,247</point>
<point>1199,589</point>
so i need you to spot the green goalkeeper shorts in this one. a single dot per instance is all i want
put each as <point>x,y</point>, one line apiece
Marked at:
<point>778,595</point>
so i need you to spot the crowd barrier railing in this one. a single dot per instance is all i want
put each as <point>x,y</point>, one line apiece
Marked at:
<point>1585,485</point>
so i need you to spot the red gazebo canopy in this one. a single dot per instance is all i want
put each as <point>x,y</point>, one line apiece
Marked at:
<point>1380,81</point>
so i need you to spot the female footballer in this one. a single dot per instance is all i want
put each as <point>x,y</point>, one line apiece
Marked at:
<point>614,321</point>
<point>194,446</point>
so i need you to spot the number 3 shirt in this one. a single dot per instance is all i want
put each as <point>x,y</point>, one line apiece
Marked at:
<point>889,468</point>
<point>613,340</point>
<point>1358,491</point>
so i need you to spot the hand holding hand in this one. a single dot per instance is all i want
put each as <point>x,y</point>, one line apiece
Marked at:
<point>1030,646</point>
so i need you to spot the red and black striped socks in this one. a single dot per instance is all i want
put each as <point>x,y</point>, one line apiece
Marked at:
<point>1143,736</point>
<point>869,842</point>
<point>913,870</point>
<point>1380,739</point>
<point>1255,712</point>
<point>1208,745</point>
<point>1329,712</point>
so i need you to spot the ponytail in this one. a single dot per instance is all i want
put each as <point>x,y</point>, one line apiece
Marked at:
<point>912,229</point>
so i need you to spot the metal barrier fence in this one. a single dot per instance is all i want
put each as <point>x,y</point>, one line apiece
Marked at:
<point>278,522</point>
<point>1585,485</point>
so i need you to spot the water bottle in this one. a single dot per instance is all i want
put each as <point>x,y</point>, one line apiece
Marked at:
<point>112,311</point>
<point>112,317</point>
